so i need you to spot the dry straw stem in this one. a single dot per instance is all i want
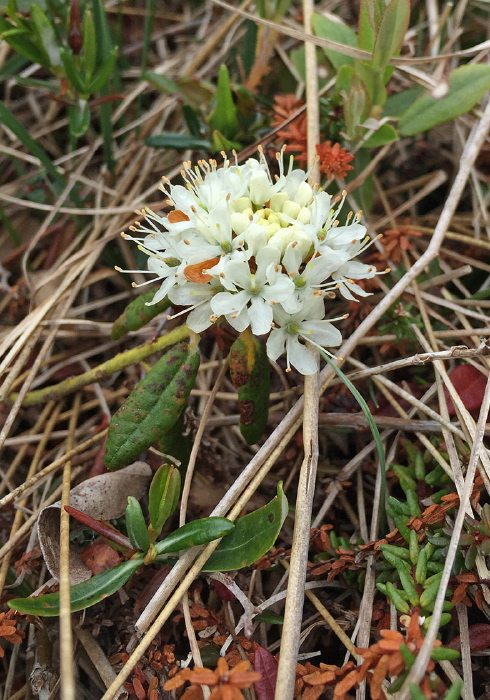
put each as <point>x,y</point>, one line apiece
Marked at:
<point>293,613</point>
<point>66,640</point>
<point>351,50</point>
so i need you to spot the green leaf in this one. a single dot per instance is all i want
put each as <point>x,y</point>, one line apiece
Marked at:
<point>138,313</point>
<point>192,121</point>
<point>454,692</point>
<point>370,13</point>
<point>161,82</point>
<point>82,595</point>
<point>467,85</point>
<point>178,141</point>
<point>79,118</point>
<point>136,526</point>
<point>253,536</point>
<point>224,117</point>
<point>153,407</point>
<point>163,496</point>
<point>373,82</point>
<point>72,73</point>
<point>194,534</point>
<point>335,31</point>
<point>19,40</point>
<point>103,74</point>
<point>89,45</point>
<point>385,134</point>
<point>46,35</point>
<point>415,692</point>
<point>442,654</point>
<point>250,374</point>
<point>391,32</point>
<point>398,103</point>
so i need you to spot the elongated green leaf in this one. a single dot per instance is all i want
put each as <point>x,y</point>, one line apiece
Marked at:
<point>72,72</point>
<point>385,134</point>
<point>89,44</point>
<point>253,536</point>
<point>467,85</point>
<point>224,117</point>
<point>370,13</point>
<point>163,496</point>
<point>391,32</point>
<point>46,33</point>
<point>83,595</point>
<point>19,39</point>
<point>249,370</point>
<point>153,407</point>
<point>398,103</point>
<point>194,534</point>
<point>136,526</point>
<point>177,141</point>
<point>137,314</point>
<point>336,31</point>
<point>103,74</point>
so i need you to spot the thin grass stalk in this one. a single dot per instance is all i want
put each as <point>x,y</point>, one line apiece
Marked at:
<point>66,639</point>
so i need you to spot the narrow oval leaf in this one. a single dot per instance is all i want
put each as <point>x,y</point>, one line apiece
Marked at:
<point>153,407</point>
<point>391,32</point>
<point>253,536</point>
<point>467,85</point>
<point>224,117</point>
<point>336,31</point>
<point>266,665</point>
<point>163,496</point>
<point>470,384</point>
<point>137,314</point>
<point>136,526</point>
<point>83,595</point>
<point>195,533</point>
<point>249,370</point>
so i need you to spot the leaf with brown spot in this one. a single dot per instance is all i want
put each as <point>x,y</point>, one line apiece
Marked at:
<point>153,408</point>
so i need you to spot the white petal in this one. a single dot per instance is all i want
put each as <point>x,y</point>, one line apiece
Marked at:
<point>199,319</point>
<point>225,303</point>
<point>299,356</point>
<point>260,315</point>
<point>276,343</point>
<point>321,332</point>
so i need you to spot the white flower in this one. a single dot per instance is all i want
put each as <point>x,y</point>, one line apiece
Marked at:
<point>301,326</point>
<point>262,252</point>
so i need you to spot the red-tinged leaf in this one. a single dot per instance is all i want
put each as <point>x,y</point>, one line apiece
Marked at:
<point>470,384</point>
<point>384,407</point>
<point>266,665</point>
<point>479,638</point>
<point>99,557</point>
<point>223,591</point>
<point>100,527</point>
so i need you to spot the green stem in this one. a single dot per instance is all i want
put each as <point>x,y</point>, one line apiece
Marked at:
<point>120,361</point>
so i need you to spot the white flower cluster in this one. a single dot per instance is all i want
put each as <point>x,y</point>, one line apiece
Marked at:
<point>261,252</point>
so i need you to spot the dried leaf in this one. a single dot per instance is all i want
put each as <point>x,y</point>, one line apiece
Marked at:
<point>470,384</point>
<point>266,665</point>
